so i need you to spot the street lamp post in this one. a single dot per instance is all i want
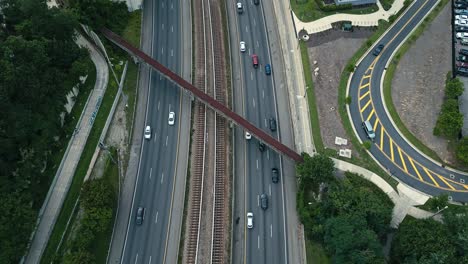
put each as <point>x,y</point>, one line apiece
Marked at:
<point>305,91</point>
<point>439,211</point>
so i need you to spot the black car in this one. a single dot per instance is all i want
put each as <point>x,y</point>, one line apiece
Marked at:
<point>461,5</point>
<point>463,52</point>
<point>272,124</point>
<point>261,146</point>
<point>264,201</point>
<point>140,215</point>
<point>462,58</point>
<point>462,71</point>
<point>378,49</point>
<point>461,29</point>
<point>274,175</point>
<point>256,2</point>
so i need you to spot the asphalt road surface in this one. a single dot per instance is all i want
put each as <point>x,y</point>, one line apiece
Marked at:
<point>390,149</point>
<point>266,241</point>
<point>147,243</point>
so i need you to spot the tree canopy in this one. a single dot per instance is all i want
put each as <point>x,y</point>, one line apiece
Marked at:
<point>37,58</point>
<point>350,218</point>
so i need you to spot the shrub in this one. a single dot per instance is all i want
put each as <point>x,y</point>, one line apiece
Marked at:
<point>462,150</point>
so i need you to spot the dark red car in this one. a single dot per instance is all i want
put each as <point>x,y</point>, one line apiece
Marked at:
<point>462,64</point>
<point>255,60</point>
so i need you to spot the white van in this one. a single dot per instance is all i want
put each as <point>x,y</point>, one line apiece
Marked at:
<point>366,125</point>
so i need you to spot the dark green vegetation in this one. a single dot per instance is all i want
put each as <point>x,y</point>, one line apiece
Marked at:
<point>39,63</point>
<point>91,235</point>
<point>310,10</point>
<point>113,15</point>
<point>428,241</point>
<point>350,217</point>
<point>450,121</point>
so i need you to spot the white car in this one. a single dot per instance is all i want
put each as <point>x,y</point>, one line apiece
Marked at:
<point>171,119</point>
<point>462,35</point>
<point>239,8</point>
<point>242,46</point>
<point>247,135</point>
<point>462,17</point>
<point>461,22</point>
<point>249,220</point>
<point>148,132</point>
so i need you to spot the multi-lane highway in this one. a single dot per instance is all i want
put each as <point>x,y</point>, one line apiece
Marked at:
<point>147,243</point>
<point>390,149</point>
<point>266,241</point>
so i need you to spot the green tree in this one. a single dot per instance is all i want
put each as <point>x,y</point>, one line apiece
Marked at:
<point>96,194</point>
<point>422,241</point>
<point>450,120</point>
<point>79,257</point>
<point>315,170</point>
<point>453,89</point>
<point>357,196</point>
<point>462,150</point>
<point>101,13</point>
<point>348,242</point>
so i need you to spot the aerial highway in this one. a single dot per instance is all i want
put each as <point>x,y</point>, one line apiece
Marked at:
<point>390,148</point>
<point>146,242</point>
<point>266,241</point>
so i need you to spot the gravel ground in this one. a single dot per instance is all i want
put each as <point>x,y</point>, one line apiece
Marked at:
<point>418,83</point>
<point>332,50</point>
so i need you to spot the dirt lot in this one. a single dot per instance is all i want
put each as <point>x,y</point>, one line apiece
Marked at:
<point>332,50</point>
<point>418,83</point>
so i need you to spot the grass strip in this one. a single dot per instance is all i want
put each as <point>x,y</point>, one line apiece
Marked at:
<point>80,173</point>
<point>100,244</point>
<point>313,113</point>
<point>387,89</point>
<point>316,254</point>
<point>133,29</point>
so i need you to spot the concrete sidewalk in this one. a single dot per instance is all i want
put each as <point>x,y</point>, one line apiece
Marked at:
<point>59,188</point>
<point>367,20</point>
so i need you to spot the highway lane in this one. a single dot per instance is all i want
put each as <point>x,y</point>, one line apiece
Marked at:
<point>390,149</point>
<point>265,242</point>
<point>147,243</point>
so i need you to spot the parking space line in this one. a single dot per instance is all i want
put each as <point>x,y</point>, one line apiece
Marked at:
<point>371,114</point>
<point>365,106</point>
<point>381,138</point>
<point>446,183</point>
<point>375,124</point>
<point>430,176</point>
<point>415,169</point>
<point>364,86</point>
<point>391,150</point>
<point>402,160</point>
<point>364,95</point>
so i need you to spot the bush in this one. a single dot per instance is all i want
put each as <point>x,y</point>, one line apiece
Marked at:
<point>454,88</point>
<point>348,100</point>
<point>450,121</point>
<point>332,7</point>
<point>367,144</point>
<point>462,150</point>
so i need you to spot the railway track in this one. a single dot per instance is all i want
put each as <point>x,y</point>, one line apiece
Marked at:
<point>198,149</point>
<point>208,183</point>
